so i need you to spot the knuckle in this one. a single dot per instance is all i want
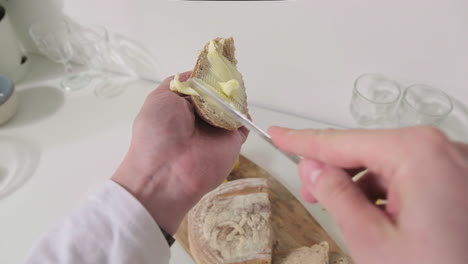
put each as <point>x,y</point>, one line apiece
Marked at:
<point>322,134</point>
<point>150,98</point>
<point>321,137</point>
<point>336,191</point>
<point>430,133</point>
<point>429,140</point>
<point>167,80</point>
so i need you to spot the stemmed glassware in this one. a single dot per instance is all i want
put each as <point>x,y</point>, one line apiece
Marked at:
<point>52,38</point>
<point>96,52</point>
<point>112,61</point>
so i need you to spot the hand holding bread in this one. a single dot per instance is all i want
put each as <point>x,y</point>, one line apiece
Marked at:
<point>175,157</point>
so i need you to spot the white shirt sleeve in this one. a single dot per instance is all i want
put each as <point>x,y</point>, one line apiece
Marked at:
<point>110,227</point>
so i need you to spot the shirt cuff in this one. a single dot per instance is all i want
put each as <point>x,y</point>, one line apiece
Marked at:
<point>131,215</point>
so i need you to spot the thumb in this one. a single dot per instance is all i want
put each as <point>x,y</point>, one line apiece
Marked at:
<point>361,223</point>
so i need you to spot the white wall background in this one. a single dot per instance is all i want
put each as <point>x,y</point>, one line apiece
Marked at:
<point>298,57</point>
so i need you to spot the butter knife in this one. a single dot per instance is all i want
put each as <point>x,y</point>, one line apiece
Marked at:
<point>206,92</point>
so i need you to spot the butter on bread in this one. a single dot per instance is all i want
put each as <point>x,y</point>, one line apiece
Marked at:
<point>216,67</point>
<point>231,224</point>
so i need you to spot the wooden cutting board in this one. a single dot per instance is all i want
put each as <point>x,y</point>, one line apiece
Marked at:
<point>293,225</point>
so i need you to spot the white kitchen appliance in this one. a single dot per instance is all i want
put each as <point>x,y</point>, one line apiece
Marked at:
<point>12,56</point>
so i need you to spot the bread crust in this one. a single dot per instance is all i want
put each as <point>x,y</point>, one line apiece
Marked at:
<point>317,254</point>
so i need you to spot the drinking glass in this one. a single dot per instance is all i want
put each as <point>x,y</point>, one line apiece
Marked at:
<point>423,105</point>
<point>52,38</point>
<point>374,101</point>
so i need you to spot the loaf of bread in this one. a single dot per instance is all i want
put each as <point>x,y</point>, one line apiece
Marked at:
<point>216,67</point>
<point>232,224</point>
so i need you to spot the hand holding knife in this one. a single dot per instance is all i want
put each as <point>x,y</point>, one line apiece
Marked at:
<point>234,113</point>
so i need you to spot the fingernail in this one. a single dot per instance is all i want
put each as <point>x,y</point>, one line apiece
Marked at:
<point>307,195</point>
<point>315,169</point>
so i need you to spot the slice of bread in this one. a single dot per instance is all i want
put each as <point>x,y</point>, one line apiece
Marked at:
<point>232,224</point>
<point>317,254</point>
<point>204,70</point>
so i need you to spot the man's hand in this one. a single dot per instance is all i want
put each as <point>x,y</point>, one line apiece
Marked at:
<point>423,175</point>
<point>174,157</point>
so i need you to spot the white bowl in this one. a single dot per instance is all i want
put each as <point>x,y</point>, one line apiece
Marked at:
<point>8,99</point>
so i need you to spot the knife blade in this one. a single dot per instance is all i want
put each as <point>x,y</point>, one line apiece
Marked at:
<point>237,115</point>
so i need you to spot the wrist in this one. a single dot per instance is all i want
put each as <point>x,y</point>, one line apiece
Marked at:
<point>166,200</point>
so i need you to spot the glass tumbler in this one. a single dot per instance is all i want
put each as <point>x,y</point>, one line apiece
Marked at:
<point>374,101</point>
<point>423,105</point>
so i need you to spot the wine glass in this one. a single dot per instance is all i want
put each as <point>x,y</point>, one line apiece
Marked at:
<point>52,38</point>
<point>97,52</point>
<point>137,58</point>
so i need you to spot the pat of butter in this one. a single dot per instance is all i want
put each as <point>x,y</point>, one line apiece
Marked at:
<point>223,78</point>
<point>221,69</point>
<point>181,87</point>
<point>230,87</point>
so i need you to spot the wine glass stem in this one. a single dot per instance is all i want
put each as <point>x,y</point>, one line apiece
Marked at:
<point>68,67</point>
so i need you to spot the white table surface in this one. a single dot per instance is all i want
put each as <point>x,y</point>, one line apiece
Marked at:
<point>78,141</point>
